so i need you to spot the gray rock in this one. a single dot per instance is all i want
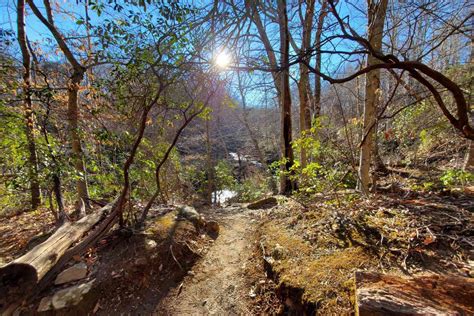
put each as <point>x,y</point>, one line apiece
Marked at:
<point>150,244</point>
<point>46,304</point>
<point>71,296</point>
<point>74,273</point>
<point>190,214</point>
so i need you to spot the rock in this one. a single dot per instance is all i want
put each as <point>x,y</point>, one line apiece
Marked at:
<point>74,273</point>
<point>263,203</point>
<point>190,214</point>
<point>212,228</point>
<point>379,294</point>
<point>45,304</point>
<point>71,296</point>
<point>150,244</point>
<point>252,293</point>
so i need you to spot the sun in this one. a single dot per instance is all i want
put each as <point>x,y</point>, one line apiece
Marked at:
<point>223,60</point>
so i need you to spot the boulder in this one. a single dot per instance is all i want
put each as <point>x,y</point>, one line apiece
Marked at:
<point>45,304</point>
<point>78,298</point>
<point>189,213</point>
<point>379,294</point>
<point>266,203</point>
<point>74,273</point>
<point>71,296</point>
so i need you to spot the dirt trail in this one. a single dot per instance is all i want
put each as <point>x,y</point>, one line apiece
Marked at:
<point>217,285</point>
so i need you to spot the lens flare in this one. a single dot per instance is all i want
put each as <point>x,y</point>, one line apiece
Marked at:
<point>223,60</point>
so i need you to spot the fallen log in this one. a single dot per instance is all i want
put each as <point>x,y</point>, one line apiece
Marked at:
<point>265,203</point>
<point>26,275</point>
<point>379,294</point>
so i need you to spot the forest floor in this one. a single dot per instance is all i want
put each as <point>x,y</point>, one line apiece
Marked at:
<point>170,268</point>
<point>299,256</point>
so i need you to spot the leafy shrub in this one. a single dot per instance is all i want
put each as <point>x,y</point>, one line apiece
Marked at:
<point>454,177</point>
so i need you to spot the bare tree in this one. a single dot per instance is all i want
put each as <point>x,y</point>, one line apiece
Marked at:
<point>73,112</point>
<point>304,89</point>
<point>317,46</point>
<point>281,79</point>
<point>28,109</point>
<point>376,18</point>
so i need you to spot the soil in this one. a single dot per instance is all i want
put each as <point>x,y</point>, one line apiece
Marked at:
<point>217,284</point>
<point>187,272</point>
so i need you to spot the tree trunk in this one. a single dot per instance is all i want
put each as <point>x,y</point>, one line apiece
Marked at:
<point>287,184</point>
<point>376,18</point>
<point>56,175</point>
<point>28,109</point>
<point>469,162</point>
<point>303,84</point>
<point>73,91</point>
<point>210,169</point>
<point>74,135</point>
<point>316,106</point>
<point>62,216</point>
<point>282,86</point>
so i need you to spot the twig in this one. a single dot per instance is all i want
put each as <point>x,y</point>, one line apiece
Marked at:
<point>176,260</point>
<point>263,248</point>
<point>192,250</point>
<point>180,288</point>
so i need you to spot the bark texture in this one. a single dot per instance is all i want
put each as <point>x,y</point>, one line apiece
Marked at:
<point>28,109</point>
<point>74,136</point>
<point>379,294</point>
<point>376,18</point>
<point>281,82</point>
<point>303,83</point>
<point>287,185</point>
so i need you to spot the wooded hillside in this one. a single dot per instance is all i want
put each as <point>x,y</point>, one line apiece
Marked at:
<point>145,144</point>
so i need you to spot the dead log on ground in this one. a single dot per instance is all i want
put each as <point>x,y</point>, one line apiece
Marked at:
<point>26,275</point>
<point>265,203</point>
<point>379,294</point>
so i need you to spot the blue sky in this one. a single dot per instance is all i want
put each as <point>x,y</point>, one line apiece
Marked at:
<point>37,32</point>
